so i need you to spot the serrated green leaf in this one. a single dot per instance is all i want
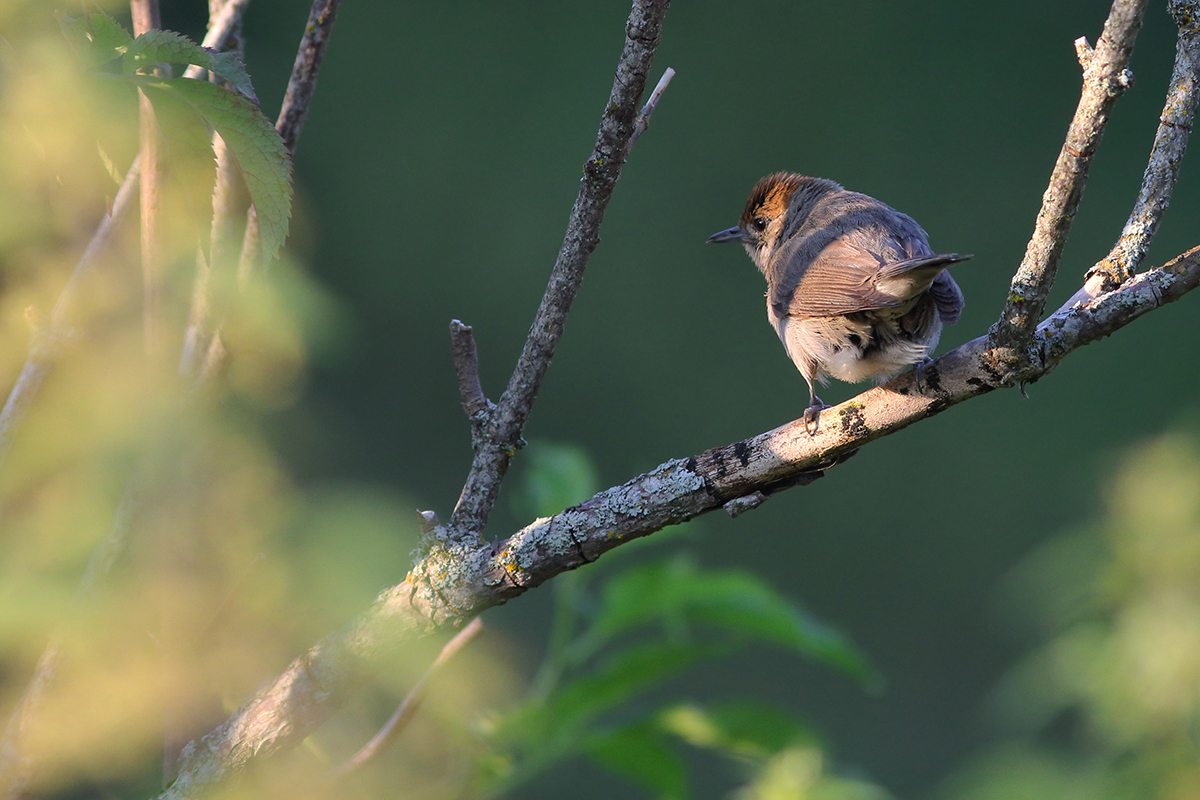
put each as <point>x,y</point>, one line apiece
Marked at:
<point>638,753</point>
<point>96,38</point>
<point>677,591</point>
<point>167,47</point>
<point>255,145</point>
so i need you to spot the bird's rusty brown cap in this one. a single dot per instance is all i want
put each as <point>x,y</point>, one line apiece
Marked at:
<point>770,196</point>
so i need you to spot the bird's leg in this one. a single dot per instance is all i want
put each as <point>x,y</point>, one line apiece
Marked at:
<point>812,414</point>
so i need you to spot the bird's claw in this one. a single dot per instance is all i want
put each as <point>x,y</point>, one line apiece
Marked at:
<point>917,371</point>
<point>812,416</point>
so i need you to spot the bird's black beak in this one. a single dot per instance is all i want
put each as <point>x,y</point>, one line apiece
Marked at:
<point>733,234</point>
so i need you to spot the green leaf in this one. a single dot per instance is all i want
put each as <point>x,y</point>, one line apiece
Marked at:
<point>542,733</point>
<point>801,772</point>
<point>167,47</point>
<point>741,729</point>
<point>677,591</point>
<point>639,753</point>
<point>557,476</point>
<point>96,38</point>
<point>255,145</point>
<point>567,712</point>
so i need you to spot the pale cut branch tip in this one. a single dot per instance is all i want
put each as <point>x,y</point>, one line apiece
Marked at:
<point>466,367</point>
<point>427,521</point>
<point>643,119</point>
<point>1084,52</point>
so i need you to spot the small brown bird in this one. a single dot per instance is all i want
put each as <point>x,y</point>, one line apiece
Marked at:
<point>853,287</point>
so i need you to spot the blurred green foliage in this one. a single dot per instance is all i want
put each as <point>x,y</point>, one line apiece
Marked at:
<point>643,625</point>
<point>1108,704</point>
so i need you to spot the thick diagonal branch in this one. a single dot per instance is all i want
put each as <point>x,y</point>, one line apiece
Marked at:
<point>450,586</point>
<point>1105,78</point>
<point>600,173</point>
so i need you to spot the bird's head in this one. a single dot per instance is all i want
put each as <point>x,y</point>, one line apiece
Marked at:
<point>764,221</point>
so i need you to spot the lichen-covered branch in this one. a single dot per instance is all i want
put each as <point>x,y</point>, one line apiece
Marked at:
<point>1105,78</point>
<point>452,584</point>
<point>1162,169</point>
<point>502,435</point>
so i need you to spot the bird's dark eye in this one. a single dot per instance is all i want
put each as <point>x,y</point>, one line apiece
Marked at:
<point>759,224</point>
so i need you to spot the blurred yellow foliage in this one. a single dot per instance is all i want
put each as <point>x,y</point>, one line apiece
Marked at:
<point>156,556</point>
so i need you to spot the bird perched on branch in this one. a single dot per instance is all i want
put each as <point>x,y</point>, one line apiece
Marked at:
<point>853,287</point>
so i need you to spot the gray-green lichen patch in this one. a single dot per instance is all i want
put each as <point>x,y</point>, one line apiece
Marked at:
<point>583,532</point>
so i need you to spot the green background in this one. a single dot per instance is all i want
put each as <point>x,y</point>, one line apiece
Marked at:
<point>440,159</point>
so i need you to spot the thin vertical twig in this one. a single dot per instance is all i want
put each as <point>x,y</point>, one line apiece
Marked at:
<point>292,114</point>
<point>146,18</point>
<point>214,275</point>
<point>151,247</point>
<point>466,368</point>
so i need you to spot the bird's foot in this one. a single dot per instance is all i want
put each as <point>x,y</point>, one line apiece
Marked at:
<point>925,360</point>
<point>812,416</point>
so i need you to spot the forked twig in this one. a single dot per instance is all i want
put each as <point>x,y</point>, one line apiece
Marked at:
<point>618,125</point>
<point>1105,78</point>
<point>1162,169</point>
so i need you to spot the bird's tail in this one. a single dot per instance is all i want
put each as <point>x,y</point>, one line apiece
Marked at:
<point>914,276</point>
<point>930,264</point>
